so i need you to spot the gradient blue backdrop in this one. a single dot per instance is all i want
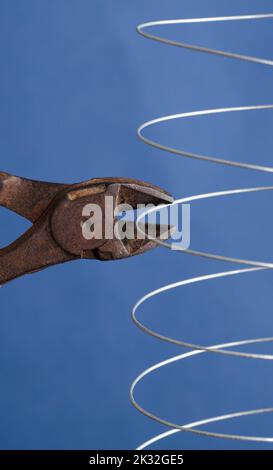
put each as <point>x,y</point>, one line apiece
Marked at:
<point>75,82</point>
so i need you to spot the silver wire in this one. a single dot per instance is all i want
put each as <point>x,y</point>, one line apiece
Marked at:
<point>208,158</point>
<point>144,26</point>
<point>255,265</point>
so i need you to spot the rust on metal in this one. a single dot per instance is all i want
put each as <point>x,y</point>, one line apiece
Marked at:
<point>78,193</point>
<point>56,213</point>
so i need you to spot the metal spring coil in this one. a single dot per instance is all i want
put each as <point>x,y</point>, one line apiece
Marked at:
<point>226,348</point>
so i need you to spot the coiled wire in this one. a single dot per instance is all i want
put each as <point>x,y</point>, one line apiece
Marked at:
<point>252,265</point>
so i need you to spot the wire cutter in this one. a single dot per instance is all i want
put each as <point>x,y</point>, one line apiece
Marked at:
<point>55,211</point>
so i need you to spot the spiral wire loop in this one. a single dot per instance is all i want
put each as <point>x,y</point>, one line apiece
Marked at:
<point>251,265</point>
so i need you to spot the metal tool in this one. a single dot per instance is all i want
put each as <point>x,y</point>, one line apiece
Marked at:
<point>56,213</point>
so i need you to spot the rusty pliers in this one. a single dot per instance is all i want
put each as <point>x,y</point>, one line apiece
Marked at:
<point>56,213</point>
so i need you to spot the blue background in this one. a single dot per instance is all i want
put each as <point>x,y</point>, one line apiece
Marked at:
<point>75,82</point>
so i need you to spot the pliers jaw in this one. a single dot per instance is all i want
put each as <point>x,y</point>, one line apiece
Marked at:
<point>109,195</point>
<point>58,214</point>
<point>132,194</point>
